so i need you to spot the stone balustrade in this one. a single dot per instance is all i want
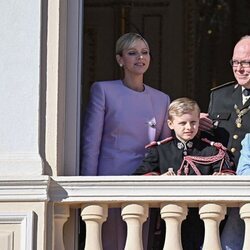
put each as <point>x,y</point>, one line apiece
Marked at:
<point>173,195</point>
<point>46,203</point>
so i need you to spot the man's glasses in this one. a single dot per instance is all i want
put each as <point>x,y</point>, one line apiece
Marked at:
<point>244,64</point>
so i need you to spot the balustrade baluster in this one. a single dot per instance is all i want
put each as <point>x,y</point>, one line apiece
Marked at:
<point>245,215</point>
<point>61,215</point>
<point>134,215</point>
<point>173,215</point>
<point>212,214</point>
<point>94,216</point>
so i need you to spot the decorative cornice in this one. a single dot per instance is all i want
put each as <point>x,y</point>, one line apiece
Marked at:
<point>24,188</point>
<point>118,189</point>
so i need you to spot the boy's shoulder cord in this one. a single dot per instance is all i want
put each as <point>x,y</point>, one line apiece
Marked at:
<point>189,161</point>
<point>156,143</point>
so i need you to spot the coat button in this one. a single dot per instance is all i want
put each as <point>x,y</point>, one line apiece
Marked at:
<point>235,137</point>
<point>233,150</point>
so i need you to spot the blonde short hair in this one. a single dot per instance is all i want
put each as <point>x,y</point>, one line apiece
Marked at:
<point>126,40</point>
<point>182,106</point>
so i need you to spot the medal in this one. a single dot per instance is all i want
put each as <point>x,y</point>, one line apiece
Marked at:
<point>238,122</point>
<point>240,113</point>
<point>238,125</point>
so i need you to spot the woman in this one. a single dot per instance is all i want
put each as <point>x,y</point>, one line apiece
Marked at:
<point>244,161</point>
<point>121,118</point>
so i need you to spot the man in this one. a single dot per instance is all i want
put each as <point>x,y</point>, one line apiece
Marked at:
<point>228,115</point>
<point>228,119</point>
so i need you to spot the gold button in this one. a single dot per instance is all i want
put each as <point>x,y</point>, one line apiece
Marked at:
<point>233,150</point>
<point>235,137</point>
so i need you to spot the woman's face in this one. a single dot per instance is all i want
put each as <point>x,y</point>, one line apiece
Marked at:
<point>135,59</point>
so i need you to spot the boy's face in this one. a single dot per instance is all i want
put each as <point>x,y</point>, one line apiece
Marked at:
<point>185,126</point>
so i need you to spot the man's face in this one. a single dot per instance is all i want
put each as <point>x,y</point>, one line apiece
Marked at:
<point>241,65</point>
<point>185,126</point>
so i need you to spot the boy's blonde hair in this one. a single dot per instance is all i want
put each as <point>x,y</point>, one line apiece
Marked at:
<point>182,106</point>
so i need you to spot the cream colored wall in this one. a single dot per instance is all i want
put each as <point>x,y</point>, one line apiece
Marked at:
<point>20,27</point>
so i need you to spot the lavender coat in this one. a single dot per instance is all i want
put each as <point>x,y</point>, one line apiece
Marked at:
<point>118,123</point>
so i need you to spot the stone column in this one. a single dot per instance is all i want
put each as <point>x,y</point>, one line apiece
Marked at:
<point>134,215</point>
<point>94,216</point>
<point>245,215</point>
<point>173,215</point>
<point>212,214</point>
<point>61,215</point>
<point>20,80</point>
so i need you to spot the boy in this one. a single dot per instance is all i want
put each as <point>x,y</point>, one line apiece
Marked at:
<point>186,154</point>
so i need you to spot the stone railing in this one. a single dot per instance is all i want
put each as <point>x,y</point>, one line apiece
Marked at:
<point>34,209</point>
<point>136,194</point>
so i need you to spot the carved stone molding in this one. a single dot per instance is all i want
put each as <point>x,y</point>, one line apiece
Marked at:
<point>17,227</point>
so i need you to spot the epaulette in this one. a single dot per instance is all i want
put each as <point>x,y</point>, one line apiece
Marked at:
<point>218,145</point>
<point>224,85</point>
<point>156,143</point>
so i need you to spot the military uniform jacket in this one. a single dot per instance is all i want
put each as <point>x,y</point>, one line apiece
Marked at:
<point>223,113</point>
<point>170,155</point>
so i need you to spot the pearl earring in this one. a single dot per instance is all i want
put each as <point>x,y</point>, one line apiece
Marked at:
<point>120,65</point>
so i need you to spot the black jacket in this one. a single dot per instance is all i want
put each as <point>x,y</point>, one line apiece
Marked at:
<point>171,153</point>
<point>222,111</point>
